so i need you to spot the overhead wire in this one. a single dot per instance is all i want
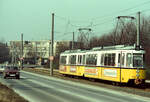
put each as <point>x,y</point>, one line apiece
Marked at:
<point>145,10</point>
<point>109,15</point>
<point>104,17</point>
<point>122,11</point>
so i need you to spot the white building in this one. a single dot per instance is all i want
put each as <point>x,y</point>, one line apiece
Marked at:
<point>35,50</point>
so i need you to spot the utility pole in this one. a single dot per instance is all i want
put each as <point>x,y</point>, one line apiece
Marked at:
<point>12,58</point>
<point>52,42</point>
<point>15,62</point>
<point>35,57</point>
<point>138,31</point>
<point>22,51</point>
<point>73,41</point>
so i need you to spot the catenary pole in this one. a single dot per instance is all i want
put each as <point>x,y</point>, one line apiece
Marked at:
<point>73,41</point>
<point>21,50</point>
<point>52,42</point>
<point>138,30</point>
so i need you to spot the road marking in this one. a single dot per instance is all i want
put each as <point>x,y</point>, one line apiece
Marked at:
<point>120,93</point>
<point>38,91</point>
<point>65,91</point>
<point>77,94</point>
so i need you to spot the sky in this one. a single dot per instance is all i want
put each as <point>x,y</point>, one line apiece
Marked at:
<point>33,17</point>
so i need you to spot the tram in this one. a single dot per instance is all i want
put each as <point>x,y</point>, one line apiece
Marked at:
<point>119,64</point>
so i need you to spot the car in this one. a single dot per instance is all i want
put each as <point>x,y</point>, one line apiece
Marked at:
<point>11,71</point>
<point>2,67</point>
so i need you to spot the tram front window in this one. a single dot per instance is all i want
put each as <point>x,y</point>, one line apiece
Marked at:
<point>137,60</point>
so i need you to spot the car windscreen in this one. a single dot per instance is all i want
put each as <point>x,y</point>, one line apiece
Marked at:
<point>11,68</point>
<point>15,68</point>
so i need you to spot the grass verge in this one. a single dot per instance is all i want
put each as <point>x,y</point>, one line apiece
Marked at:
<point>8,95</point>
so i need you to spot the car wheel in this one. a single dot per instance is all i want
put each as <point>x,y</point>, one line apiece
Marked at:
<point>18,77</point>
<point>4,77</point>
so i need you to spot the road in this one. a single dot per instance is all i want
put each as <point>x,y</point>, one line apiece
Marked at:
<point>38,88</point>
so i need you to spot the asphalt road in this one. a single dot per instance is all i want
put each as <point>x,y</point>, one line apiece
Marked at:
<point>38,88</point>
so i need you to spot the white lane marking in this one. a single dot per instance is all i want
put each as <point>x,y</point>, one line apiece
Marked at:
<point>65,91</point>
<point>30,98</point>
<point>76,93</point>
<point>119,93</point>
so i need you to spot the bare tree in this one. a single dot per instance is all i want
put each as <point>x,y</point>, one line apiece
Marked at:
<point>4,53</point>
<point>126,35</point>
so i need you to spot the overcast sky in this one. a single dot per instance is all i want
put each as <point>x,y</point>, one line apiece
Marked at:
<point>33,17</point>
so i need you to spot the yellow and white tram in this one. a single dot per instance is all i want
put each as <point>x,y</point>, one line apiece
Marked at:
<point>120,63</point>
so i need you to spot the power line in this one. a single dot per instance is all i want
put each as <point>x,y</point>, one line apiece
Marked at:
<point>67,19</point>
<point>122,11</point>
<point>110,15</point>
<point>145,10</point>
<point>103,21</point>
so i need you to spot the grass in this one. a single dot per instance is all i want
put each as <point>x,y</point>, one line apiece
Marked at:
<point>8,95</point>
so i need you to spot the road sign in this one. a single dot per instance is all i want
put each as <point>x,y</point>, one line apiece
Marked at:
<point>51,58</point>
<point>21,58</point>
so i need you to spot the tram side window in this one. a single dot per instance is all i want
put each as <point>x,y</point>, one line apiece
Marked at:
<point>91,59</point>
<point>119,58</point>
<point>83,61</point>
<point>109,59</point>
<point>122,59</point>
<point>129,60</point>
<point>72,59</point>
<point>63,59</point>
<point>102,59</point>
<point>113,59</point>
<point>106,59</point>
<point>79,59</point>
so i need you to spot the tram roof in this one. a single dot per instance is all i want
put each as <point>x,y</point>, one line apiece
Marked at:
<point>116,47</point>
<point>107,48</point>
<point>75,51</point>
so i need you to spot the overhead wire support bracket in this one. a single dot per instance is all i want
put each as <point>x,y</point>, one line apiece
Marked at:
<point>89,29</point>
<point>131,17</point>
<point>120,18</point>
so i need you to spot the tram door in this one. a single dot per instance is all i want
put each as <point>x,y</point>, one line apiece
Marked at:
<point>121,61</point>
